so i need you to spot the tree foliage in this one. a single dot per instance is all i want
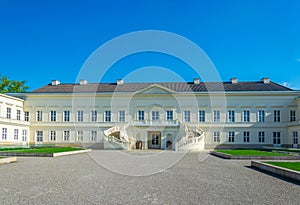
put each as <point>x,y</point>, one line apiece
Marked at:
<point>12,86</point>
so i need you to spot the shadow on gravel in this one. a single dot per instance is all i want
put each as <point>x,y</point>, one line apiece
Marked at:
<point>274,175</point>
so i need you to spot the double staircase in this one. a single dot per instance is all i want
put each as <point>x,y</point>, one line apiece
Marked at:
<point>193,138</point>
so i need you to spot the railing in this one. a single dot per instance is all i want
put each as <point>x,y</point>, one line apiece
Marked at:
<point>155,122</point>
<point>193,136</point>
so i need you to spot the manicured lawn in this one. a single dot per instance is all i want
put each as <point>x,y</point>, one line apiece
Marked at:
<point>250,153</point>
<point>289,165</point>
<point>48,150</point>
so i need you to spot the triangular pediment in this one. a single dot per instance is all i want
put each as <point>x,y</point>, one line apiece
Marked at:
<point>155,89</point>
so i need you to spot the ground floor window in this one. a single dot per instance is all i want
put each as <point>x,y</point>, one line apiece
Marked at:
<point>276,137</point>
<point>246,136</point>
<point>295,137</point>
<point>39,136</point>
<point>66,135</point>
<point>217,136</point>
<point>231,137</point>
<point>93,136</point>
<point>79,136</point>
<point>52,135</point>
<point>4,133</point>
<point>261,136</point>
<point>24,135</point>
<point>16,134</point>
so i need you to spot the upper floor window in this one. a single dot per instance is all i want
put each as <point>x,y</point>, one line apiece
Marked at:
<point>66,116</point>
<point>121,116</point>
<point>261,116</point>
<point>169,115</point>
<point>107,116</point>
<point>94,116</point>
<point>231,136</point>
<point>141,115</point>
<point>231,116</point>
<point>39,116</point>
<point>53,116</point>
<point>216,116</point>
<point>201,116</point>
<point>187,116</point>
<point>246,116</point>
<point>8,112</point>
<point>26,116</point>
<point>276,115</point>
<point>155,115</point>
<point>261,136</point>
<point>80,116</point>
<point>18,114</point>
<point>292,115</point>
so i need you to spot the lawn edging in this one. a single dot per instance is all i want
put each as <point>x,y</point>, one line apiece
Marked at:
<point>6,160</point>
<point>284,172</point>
<point>58,154</point>
<point>228,156</point>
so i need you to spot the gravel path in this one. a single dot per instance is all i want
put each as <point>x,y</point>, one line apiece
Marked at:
<point>78,179</point>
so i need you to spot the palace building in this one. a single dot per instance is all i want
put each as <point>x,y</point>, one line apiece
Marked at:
<point>166,115</point>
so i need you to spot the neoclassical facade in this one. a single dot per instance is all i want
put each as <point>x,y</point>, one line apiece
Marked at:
<point>179,115</point>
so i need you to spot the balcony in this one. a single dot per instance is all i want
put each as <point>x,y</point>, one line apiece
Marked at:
<point>154,123</point>
<point>13,121</point>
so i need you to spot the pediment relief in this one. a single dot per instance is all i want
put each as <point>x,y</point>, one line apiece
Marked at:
<point>155,89</point>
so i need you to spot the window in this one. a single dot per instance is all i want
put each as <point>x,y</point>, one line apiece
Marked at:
<point>16,134</point>
<point>4,133</point>
<point>246,116</point>
<point>246,136</point>
<point>216,116</point>
<point>231,116</point>
<point>24,135</point>
<point>107,116</point>
<point>66,116</point>
<point>93,136</point>
<point>53,116</point>
<point>276,115</point>
<point>155,139</point>
<point>79,136</point>
<point>94,116</point>
<point>261,116</point>
<point>217,136</point>
<point>39,116</point>
<point>121,116</point>
<point>201,116</point>
<point>39,136</point>
<point>80,116</point>
<point>52,135</point>
<point>187,116</point>
<point>18,114</point>
<point>66,135</point>
<point>26,116</point>
<point>295,137</point>
<point>155,115</point>
<point>276,138</point>
<point>292,115</point>
<point>8,112</point>
<point>141,115</point>
<point>169,115</point>
<point>261,136</point>
<point>230,136</point>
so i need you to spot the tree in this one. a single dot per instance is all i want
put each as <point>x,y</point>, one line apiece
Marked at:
<point>12,86</point>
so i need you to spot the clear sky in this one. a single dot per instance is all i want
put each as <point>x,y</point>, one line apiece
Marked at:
<point>41,40</point>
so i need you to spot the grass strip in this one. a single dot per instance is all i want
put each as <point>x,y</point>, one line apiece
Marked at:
<point>250,153</point>
<point>48,150</point>
<point>289,165</point>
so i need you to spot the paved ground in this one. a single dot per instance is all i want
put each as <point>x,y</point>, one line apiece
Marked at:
<point>79,179</point>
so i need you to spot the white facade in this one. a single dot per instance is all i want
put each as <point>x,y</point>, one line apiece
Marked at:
<point>14,130</point>
<point>157,117</point>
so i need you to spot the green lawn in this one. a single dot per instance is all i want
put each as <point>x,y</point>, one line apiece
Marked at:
<point>240,152</point>
<point>289,165</point>
<point>46,150</point>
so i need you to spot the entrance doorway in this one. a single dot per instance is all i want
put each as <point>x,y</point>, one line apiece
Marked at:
<point>169,145</point>
<point>138,145</point>
<point>154,140</point>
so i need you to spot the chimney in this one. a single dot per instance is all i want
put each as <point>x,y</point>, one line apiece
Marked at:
<point>55,82</point>
<point>120,82</point>
<point>196,80</point>
<point>83,82</point>
<point>265,80</point>
<point>234,80</point>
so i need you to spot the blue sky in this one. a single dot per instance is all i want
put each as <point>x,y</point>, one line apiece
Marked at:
<point>43,40</point>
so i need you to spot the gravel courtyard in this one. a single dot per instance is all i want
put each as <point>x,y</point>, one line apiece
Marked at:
<point>78,179</point>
